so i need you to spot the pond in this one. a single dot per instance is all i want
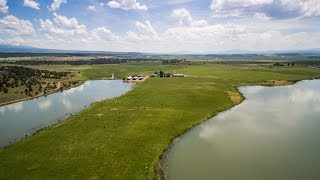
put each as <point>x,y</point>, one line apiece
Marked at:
<point>24,118</point>
<point>274,134</point>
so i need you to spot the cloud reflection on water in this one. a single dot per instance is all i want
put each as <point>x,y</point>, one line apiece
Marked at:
<point>76,89</point>
<point>44,105</point>
<point>303,95</point>
<point>16,107</point>
<point>66,103</point>
<point>266,111</point>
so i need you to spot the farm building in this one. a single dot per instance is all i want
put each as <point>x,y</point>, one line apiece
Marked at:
<point>129,78</point>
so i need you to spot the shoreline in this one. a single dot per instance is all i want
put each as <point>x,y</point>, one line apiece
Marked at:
<point>160,171</point>
<point>40,95</point>
<point>63,120</point>
<point>56,91</point>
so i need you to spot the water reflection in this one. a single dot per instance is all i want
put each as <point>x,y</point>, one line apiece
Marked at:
<point>254,89</point>
<point>16,107</point>
<point>263,114</point>
<point>256,139</point>
<point>66,103</point>
<point>77,89</point>
<point>19,119</point>
<point>304,95</point>
<point>44,105</point>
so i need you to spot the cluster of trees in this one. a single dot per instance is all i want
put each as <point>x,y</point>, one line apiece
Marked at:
<point>282,64</point>
<point>17,76</point>
<point>173,61</point>
<point>66,62</point>
<point>86,62</point>
<point>27,54</point>
<point>93,61</point>
<point>161,74</point>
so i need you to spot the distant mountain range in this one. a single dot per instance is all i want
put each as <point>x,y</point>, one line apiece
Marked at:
<point>27,49</point>
<point>30,49</point>
<point>305,51</point>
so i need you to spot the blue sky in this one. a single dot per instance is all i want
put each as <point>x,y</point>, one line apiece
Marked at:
<point>203,26</point>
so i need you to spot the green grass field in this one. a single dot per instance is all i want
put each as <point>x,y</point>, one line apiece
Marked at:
<point>239,73</point>
<point>123,138</point>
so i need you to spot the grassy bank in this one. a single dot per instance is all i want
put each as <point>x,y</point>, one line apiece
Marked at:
<point>123,138</point>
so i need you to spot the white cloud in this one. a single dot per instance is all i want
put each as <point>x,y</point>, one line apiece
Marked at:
<point>63,30</point>
<point>199,23</point>
<point>270,8</point>
<point>224,5</point>
<point>305,7</point>
<point>32,4</point>
<point>132,36</point>
<point>275,40</point>
<point>213,32</point>
<point>69,33</point>
<point>183,15</point>
<point>127,5</point>
<point>46,26</point>
<point>102,33</point>
<point>175,2</point>
<point>91,8</point>
<point>186,19</point>
<point>56,4</point>
<point>12,26</point>
<point>16,41</point>
<point>144,32</point>
<point>146,28</point>
<point>228,36</point>
<point>261,16</point>
<point>66,23</point>
<point>236,7</point>
<point>197,35</point>
<point>3,6</point>
<point>66,32</point>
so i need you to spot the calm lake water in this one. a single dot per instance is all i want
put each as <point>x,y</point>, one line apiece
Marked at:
<point>25,117</point>
<point>273,135</point>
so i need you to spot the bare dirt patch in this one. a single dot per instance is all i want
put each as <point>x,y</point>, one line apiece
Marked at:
<point>235,97</point>
<point>99,115</point>
<point>278,82</point>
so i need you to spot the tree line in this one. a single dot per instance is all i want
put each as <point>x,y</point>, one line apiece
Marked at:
<point>88,62</point>
<point>173,61</point>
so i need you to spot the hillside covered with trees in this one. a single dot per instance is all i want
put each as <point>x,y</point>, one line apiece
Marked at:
<point>22,82</point>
